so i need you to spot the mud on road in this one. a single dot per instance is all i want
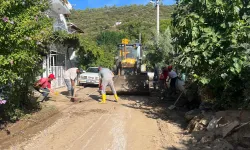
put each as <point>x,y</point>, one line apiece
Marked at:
<point>132,123</point>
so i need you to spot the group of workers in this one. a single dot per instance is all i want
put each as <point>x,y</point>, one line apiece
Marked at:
<point>167,73</point>
<point>106,79</point>
<point>105,75</point>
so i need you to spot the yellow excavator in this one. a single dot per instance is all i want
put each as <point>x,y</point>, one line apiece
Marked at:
<point>130,73</point>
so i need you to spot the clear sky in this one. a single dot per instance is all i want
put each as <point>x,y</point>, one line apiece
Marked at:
<point>82,4</point>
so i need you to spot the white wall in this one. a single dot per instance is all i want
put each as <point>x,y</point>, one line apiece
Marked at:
<point>58,7</point>
<point>57,11</point>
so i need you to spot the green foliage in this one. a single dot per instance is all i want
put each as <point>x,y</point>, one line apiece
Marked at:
<point>68,40</point>
<point>24,29</point>
<point>164,24</point>
<point>160,52</point>
<point>133,18</point>
<point>108,42</point>
<point>210,38</point>
<point>134,28</point>
<point>89,52</point>
<point>92,55</point>
<point>110,37</point>
<point>99,24</point>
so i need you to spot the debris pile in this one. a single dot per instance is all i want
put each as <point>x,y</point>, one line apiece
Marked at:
<point>227,130</point>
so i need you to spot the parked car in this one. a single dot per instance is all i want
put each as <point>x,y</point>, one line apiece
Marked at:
<point>91,76</point>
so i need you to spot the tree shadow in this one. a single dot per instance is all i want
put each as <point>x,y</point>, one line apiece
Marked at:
<point>91,85</point>
<point>198,137</point>
<point>95,97</point>
<point>98,98</point>
<point>64,93</point>
<point>172,148</point>
<point>156,109</point>
<point>3,125</point>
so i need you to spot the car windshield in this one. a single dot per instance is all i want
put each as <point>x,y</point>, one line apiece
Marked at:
<point>93,70</point>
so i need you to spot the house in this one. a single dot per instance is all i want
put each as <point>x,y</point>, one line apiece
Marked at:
<point>60,57</point>
<point>72,28</point>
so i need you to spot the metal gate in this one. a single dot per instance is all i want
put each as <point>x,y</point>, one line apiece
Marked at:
<point>58,71</point>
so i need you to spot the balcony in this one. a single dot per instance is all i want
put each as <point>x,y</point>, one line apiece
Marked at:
<point>73,28</point>
<point>61,6</point>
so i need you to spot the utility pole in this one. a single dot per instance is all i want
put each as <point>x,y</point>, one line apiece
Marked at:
<point>140,38</point>
<point>158,17</point>
<point>157,5</point>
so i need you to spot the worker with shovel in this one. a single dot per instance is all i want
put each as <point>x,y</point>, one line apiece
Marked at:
<point>106,78</point>
<point>44,87</point>
<point>69,78</point>
<point>173,76</point>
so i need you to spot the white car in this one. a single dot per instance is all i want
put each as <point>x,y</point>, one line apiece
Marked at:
<point>91,76</point>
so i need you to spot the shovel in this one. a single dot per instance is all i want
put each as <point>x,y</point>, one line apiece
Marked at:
<point>173,106</point>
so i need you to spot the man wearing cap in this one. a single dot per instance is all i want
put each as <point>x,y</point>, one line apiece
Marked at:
<point>69,78</point>
<point>106,78</point>
<point>44,87</point>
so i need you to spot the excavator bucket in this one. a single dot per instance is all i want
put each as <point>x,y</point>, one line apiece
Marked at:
<point>130,85</point>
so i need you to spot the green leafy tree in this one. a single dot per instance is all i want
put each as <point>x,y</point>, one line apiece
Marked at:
<point>24,29</point>
<point>164,24</point>
<point>134,28</point>
<point>90,54</point>
<point>110,37</point>
<point>108,41</point>
<point>210,38</point>
<point>160,52</point>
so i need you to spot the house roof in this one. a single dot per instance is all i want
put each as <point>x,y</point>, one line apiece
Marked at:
<point>73,26</point>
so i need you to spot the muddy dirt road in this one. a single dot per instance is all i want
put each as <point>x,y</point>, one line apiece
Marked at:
<point>92,126</point>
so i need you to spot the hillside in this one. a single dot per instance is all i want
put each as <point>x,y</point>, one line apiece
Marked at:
<point>139,18</point>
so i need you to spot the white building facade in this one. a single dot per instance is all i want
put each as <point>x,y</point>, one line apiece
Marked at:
<point>57,61</point>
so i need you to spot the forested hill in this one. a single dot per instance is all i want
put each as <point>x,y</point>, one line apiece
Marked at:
<point>140,18</point>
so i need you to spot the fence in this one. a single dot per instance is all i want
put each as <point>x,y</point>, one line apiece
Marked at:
<point>58,71</point>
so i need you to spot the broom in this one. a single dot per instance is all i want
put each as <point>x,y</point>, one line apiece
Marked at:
<point>56,93</point>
